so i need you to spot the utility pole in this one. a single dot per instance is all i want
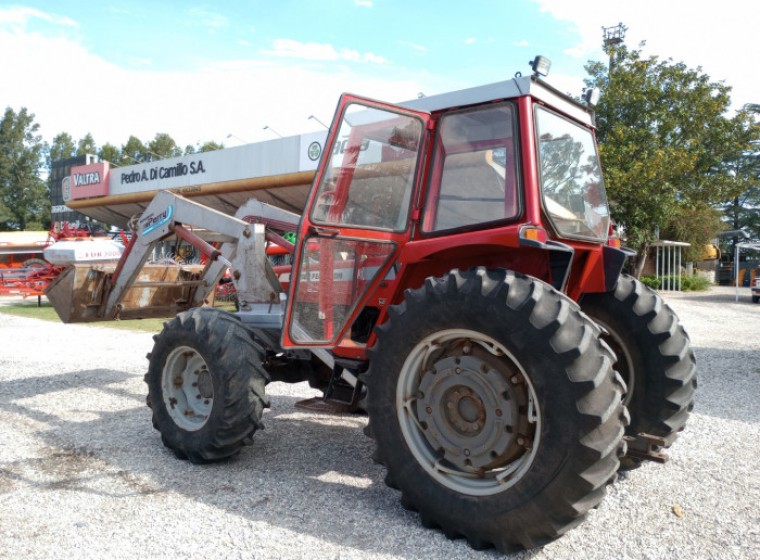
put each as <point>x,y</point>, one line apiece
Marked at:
<point>613,36</point>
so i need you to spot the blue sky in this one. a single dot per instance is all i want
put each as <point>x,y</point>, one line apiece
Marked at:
<point>203,71</point>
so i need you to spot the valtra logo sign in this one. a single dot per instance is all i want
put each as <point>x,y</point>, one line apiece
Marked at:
<point>87,181</point>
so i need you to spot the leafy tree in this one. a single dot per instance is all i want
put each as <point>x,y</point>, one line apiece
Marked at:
<point>24,197</point>
<point>663,135</point>
<point>743,211</point>
<point>696,224</point>
<point>5,214</point>
<point>63,147</point>
<point>164,146</point>
<point>210,146</point>
<point>110,153</point>
<point>87,145</point>
<point>134,151</point>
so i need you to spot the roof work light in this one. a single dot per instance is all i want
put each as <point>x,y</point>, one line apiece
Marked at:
<point>541,66</point>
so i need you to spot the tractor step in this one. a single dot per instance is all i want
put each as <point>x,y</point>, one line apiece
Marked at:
<point>646,447</point>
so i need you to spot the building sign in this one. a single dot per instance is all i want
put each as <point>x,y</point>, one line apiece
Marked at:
<point>310,150</point>
<point>183,174</point>
<point>87,181</point>
<point>154,172</point>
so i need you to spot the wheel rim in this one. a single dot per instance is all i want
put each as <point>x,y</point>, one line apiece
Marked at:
<point>468,412</point>
<point>624,363</point>
<point>188,389</point>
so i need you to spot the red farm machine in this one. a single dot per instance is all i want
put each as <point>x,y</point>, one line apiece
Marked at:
<point>454,275</point>
<point>31,260</point>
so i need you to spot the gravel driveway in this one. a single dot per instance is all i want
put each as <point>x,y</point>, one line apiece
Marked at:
<point>84,475</point>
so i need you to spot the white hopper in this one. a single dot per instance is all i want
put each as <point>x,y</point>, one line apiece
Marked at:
<point>64,253</point>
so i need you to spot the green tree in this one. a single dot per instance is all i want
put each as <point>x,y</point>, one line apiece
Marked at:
<point>110,153</point>
<point>664,135</point>
<point>87,145</point>
<point>24,196</point>
<point>5,214</point>
<point>134,151</point>
<point>743,211</point>
<point>63,147</point>
<point>210,146</point>
<point>164,146</point>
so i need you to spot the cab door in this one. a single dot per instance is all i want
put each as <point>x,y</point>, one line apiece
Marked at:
<point>356,219</point>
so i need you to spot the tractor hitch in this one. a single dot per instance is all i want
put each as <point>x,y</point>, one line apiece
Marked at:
<point>646,447</point>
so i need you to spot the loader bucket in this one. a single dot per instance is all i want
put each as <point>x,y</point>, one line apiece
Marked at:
<point>80,292</point>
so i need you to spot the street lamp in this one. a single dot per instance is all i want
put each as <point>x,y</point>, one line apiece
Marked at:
<point>230,135</point>
<point>267,127</point>
<point>312,117</point>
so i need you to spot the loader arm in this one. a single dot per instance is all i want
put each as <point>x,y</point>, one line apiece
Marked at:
<point>133,289</point>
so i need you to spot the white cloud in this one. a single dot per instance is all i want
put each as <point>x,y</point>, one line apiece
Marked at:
<point>522,43</point>
<point>21,16</point>
<point>291,48</point>
<point>374,58</point>
<point>717,38</point>
<point>469,41</point>
<point>363,3</point>
<point>70,89</point>
<point>414,46</point>
<point>212,21</point>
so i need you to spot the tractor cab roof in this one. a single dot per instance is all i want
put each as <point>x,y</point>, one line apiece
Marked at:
<point>516,87</point>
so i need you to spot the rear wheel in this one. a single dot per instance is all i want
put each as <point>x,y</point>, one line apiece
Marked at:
<point>494,408</point>
<point>654,358</point>
<point>206,385</point>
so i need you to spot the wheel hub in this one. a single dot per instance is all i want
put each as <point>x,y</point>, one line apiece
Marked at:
<point>188,388</point>
<point>463,410</point>
<point>470,411</point>
<point>205,384</point>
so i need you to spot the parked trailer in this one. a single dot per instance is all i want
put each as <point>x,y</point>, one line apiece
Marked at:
<point>454,274</point>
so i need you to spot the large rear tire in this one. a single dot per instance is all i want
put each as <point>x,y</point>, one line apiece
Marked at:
<point>206,385</point>
<point>654,358</point>
<point>494,408</point>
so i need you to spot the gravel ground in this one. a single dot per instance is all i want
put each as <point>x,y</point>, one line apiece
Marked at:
<point>84,475</point>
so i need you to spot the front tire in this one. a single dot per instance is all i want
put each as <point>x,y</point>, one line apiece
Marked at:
<point>494,408</point>
<point>206,385</point>
<point>654,358</point>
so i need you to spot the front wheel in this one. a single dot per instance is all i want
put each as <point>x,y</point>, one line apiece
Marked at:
<point>654,358</point>
<point>206,385</point>
<point>494,408</point>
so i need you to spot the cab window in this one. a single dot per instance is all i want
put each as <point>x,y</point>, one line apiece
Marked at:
<point>474,176</point>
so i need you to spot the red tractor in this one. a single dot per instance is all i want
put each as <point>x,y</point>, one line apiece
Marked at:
<point>454,275</point>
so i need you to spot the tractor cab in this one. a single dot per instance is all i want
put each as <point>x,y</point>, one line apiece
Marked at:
<point>505,175</point>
